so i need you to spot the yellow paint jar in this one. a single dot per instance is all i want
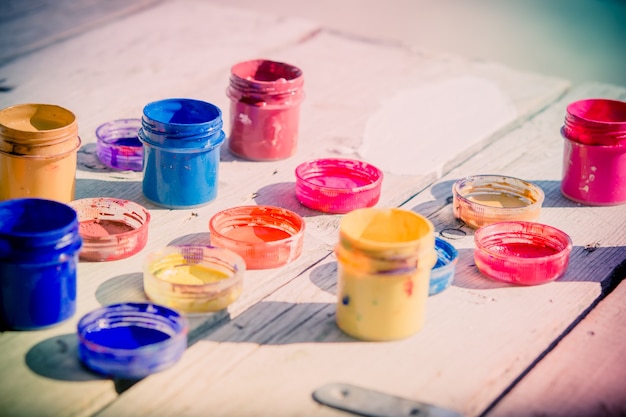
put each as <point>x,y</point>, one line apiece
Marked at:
<point>38,146</point>
<point>384,256</point>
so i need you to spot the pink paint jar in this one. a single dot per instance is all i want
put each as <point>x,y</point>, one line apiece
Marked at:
<point>335,185</point>
<point>265,109</point>
<point>264,236</point>
<point>111,228</point>
<point>523,253</point>
<point>594,157</point>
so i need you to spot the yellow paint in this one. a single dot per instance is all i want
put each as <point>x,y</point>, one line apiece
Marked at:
<point>190,287</point>
<point>38,145</point>
<point>384,261</point>
<point>501,200</point>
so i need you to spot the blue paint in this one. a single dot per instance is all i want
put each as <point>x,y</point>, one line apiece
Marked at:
<point>131,340</point>
<point>442,274</point>
<point>181,139</point>
<point>39,245</point>
<point>345,300</point>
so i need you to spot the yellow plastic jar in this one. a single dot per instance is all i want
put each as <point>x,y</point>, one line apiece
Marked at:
<point>384,256</point>
<point>38,146</point>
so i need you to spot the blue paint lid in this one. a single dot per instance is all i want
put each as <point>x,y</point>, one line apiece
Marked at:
<point>442,274</point>
<point>131,340</point>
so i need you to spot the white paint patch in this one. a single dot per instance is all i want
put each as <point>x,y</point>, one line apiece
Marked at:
<point>417,131</point>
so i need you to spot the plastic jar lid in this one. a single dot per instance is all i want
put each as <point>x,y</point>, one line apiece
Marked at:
<point>484,199</point>
<point>338,185</point>
<point>131,340</point>
<point>118,145</point>
<point>111,229</point>
<point>442,274</point>
<point>523,253</point>
<point>264,236</point>
<point>194,279</point>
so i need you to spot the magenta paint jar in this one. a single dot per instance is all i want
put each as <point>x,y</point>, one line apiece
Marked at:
<point>265,109</point>
<point>594,157</point>
<point>118,145</point>
<point>39,245</point>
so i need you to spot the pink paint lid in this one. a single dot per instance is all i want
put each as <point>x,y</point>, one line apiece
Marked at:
<point>264,236</point>
<point>523,253</point>
<point>336,185</point>
<point>111,228</point>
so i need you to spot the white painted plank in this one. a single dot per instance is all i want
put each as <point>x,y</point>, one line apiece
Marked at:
<point>584,375</point>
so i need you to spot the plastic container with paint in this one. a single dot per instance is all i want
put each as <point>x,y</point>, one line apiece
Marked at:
<point>111,228</point>
<point>265,109</point>
<point>484,199</point>
<point>384,258</point>
<point>39,245</point>
<point>118,146</point>
<point>336,185</point>
<point>524,253</point>
<point>131,340</point>
<point>594,155</point>
<point>442,274</point>
<point>194,279</point>
<point>38,150</point>
<point>264,236</point>
<point>181,139</point>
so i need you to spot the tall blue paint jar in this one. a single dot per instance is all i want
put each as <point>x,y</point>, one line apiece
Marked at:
<point>181,139</point>
<point>39,246</point>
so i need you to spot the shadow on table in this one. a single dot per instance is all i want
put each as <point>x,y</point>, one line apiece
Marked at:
<point>57,358</point>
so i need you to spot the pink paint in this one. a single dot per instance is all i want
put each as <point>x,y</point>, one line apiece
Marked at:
<point>337,185</point>
<point>525,253</point>
<point>100,228</point>
<point>265,109</point>
<point>256,234</point>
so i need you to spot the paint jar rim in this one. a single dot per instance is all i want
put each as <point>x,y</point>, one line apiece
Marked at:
<point>476,214</point>
<point>118,245</point>
<point>25,245</point>
<point>56,125</point>
<point>142,360</point>
<point>596,122</point>
<point>182,123</point>
<point>259,254</point>
<point>442,274</point>
<point>364,180</point>
<point>417,241</point>
<point>124,156</point>
<point>194,297</point>
<point>511,265</point>
<point>265,78</point>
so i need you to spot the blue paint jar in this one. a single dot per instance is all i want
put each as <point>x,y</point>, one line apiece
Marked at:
<point>131,340</point>
<point>442,274</point>
<point>39,245</point>
<point>181,139</point>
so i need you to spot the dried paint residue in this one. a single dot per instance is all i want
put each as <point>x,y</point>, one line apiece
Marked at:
<point>101,228</point>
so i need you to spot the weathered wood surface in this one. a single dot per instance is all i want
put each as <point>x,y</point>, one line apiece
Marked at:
<point>279,341</point>
<point>479,338</point>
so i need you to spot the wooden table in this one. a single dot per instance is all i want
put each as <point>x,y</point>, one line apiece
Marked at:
<point>486,349</point>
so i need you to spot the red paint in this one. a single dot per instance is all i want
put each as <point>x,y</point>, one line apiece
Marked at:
<point>265,109</point>
<point>256,234</point>
<point>408,287</point>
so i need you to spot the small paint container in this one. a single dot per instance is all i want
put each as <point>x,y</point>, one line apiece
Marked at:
<point>523,253</point>
<point>38,150</point>
<point>336,185</point>
<point>111,228</point>
<point>442,274</point>
<point>39,245</point>
<point>265,109</point>
<point>264,236</point>
<point>181,139</point>
<point>384,259</point>
<point>594,154</point>
<point>118,146</point>
<point>484,199</point>
<point>131,340</point>
<point>194,279</point>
